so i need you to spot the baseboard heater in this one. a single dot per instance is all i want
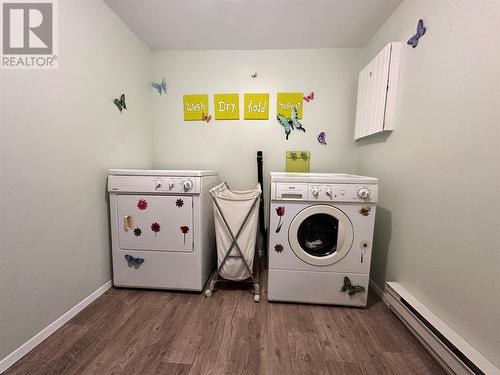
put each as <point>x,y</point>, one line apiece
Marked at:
<point>452,352</point>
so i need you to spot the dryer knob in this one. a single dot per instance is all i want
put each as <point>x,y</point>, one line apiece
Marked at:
<point>364,193</point>
<point>187,185</point>
<point>171,185</point>
<point>315,192</point>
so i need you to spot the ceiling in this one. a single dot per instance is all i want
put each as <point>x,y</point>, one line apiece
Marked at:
<point>253,24</point>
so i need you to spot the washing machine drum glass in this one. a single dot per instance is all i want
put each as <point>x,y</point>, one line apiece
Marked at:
<point>317,234</point>
<point>321,235</point>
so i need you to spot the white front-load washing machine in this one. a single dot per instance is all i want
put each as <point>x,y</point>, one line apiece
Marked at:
<point>320,237</point>
<point>162,229</point>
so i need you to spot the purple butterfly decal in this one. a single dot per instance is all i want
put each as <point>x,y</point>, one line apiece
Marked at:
<point>322,138</point>
<point>413,41</point>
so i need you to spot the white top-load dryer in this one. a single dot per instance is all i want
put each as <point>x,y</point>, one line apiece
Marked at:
<point>162,228</point>
<point>320,233</point>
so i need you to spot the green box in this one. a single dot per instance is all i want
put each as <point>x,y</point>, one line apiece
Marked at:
<point>298,161</point>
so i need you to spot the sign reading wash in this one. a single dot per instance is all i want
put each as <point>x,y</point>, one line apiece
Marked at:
<point>28,34</point>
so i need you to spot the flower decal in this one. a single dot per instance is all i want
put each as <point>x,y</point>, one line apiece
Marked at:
<point>142,204</point>
<point>365,211</point>
<point>179,203</point>
<point>278,248</point>
<point>280,211</point>
<point>155,227</point>
<point>184,229</point>
<point>137,232</point>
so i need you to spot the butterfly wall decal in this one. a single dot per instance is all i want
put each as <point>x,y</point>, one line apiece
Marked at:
<point>253,75</point>
<point>205,117</point>
<point>413,41</point>
<point>160,87</point>
<point>309,97</point>
<point>291,123</point>
<point>351,288</point>
<point>133,262</point>
<point>322,138</point>
<point>120,103</point>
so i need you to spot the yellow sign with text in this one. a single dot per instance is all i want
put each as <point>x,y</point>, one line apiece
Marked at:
<point>288,100</point>
<point>227,106</point>
<point>256,106</point>
<point>195,107</point>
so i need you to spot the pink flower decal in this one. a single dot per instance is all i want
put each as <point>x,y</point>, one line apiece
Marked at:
<point>184,230</point>
<point>155,227</point>
<point>280,211</point>
<point>142,204</point>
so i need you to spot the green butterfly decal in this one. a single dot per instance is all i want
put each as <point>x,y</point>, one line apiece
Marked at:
<point>351,288</point>
<point>291,123</point>
<point>120,103</point>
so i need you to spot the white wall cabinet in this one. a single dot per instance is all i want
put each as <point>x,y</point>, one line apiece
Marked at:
<point>377,89</point>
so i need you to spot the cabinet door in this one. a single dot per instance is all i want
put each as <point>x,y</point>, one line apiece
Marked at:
<point>161,223</point>
<point>373,87</point>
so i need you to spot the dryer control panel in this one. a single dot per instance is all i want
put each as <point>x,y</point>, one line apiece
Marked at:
<point>154,184</point>
<point>324,192</point>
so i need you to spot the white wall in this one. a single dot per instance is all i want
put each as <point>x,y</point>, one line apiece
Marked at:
<point>231,146</point>
<point>438,222</point>
<point>60,132</point>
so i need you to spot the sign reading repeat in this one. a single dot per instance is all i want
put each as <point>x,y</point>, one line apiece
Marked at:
<point>29,34</point>
<point>287,101</point>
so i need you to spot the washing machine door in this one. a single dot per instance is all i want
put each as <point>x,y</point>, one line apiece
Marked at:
<point>320,235</point>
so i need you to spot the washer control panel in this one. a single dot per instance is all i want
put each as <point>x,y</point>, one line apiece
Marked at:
<point>325,192</point>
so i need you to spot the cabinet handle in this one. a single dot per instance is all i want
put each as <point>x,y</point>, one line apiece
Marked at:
<point>128,222</point>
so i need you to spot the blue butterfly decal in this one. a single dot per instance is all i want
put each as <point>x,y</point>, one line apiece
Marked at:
<point>291,123</point>
<point>413,41</point>
<point>133,262</point>
<point>160,87</point>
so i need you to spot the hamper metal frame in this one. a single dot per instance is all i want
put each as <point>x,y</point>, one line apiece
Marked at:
<point>254,274</point>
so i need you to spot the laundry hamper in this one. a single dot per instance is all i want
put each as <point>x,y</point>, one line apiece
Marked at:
<point>236,215</point>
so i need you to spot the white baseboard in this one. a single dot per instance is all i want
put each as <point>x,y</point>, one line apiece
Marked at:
<point>452,351</point>
<point>20,352</point>
<point>378,290</point>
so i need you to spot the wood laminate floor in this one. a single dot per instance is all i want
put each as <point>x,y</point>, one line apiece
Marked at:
<point>157,332</point>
